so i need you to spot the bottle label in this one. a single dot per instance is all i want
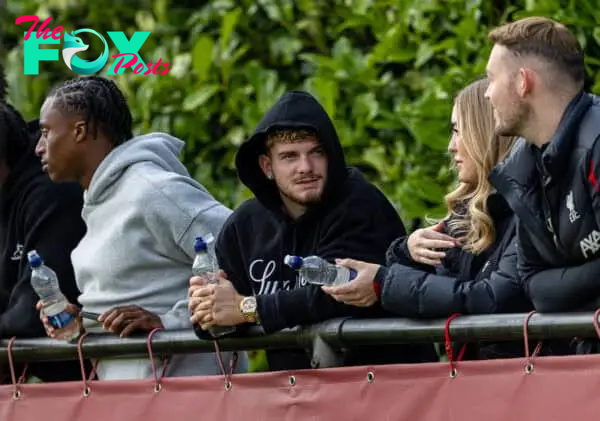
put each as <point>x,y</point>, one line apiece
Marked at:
<point>60,320</point>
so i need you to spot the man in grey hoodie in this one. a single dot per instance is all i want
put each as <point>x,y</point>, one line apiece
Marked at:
<point>142,211</point>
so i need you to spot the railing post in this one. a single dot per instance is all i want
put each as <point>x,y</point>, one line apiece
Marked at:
<point>323,355</point>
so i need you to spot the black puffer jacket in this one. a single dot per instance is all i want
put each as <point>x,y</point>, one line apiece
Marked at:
<point>555,193</point>
<point>465,283</point>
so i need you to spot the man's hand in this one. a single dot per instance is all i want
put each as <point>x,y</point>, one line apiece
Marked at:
<point>360,291</point>
<point>128,319</point>
<point>53,332</point>
<point>215,304</point>
<point>198,282</point>
<point>200,297</point>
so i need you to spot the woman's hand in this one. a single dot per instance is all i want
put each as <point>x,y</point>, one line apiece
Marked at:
<point>424,244</point>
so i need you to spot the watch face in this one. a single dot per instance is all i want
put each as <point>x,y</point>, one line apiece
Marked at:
<point>249,305</point>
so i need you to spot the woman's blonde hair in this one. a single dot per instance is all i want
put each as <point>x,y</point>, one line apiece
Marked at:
<point>469,219</point>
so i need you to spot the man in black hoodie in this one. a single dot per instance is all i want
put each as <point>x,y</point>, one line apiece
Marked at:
<point>307,202</point>
<point>35,213</point>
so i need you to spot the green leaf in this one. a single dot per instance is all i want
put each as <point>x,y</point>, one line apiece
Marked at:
<point>323,63</point>
<point>202,57</point>
<point>230,20</point>
<point>352,23</point>
<point>424,53</point>
<point>145,20</point>
<point>160,9</point>
<point>326,91</point>
<point>376,156</point>
<point>181,65</point>
<point>285,48</point>
<point>596,35</point>
<point>388,44</point>
<point>366,106</point>
<point>198,98</point>
<point>400,56</point>
<point>236,136</point>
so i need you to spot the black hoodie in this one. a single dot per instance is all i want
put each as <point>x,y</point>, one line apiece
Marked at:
<point>354,220</point>
<point>36,213</point>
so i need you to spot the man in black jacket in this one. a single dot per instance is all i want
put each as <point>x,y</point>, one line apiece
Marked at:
<point>35,213</point>
<point>536,71</point>
<point>307,202</point>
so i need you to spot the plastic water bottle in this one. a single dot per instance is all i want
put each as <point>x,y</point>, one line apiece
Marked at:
<point>205,266</point>
<point>318,271</point>
<point>45,283</point>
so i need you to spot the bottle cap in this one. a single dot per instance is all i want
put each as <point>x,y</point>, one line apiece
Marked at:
<point>34,259</point>
<point>200,245</point>
<point>295,262</point>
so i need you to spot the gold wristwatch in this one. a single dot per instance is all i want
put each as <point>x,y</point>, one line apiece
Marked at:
<point>248,309</point>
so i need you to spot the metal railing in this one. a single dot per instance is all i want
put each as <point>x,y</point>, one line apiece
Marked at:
<point>333,334</point>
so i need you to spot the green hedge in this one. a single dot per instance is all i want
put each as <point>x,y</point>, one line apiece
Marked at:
<point>385,70</point>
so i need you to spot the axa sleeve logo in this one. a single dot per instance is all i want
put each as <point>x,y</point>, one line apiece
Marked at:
<point>128,49</point>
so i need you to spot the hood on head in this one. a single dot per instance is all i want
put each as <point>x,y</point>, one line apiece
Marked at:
<point>18,152</point>
<point>294,110</point>
<point>158,148</point>
<point>17,137</point>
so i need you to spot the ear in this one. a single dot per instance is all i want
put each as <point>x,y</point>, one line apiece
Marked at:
<point>265,165</point>
<point>525,81</point>
<point>80,131</point>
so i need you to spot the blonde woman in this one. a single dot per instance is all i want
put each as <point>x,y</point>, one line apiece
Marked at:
<point>466,263</point>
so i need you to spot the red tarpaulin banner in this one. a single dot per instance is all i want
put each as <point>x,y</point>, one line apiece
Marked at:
<point>524,389</point>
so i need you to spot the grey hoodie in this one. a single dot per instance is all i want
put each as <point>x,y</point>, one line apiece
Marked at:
<point>143,210</point>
